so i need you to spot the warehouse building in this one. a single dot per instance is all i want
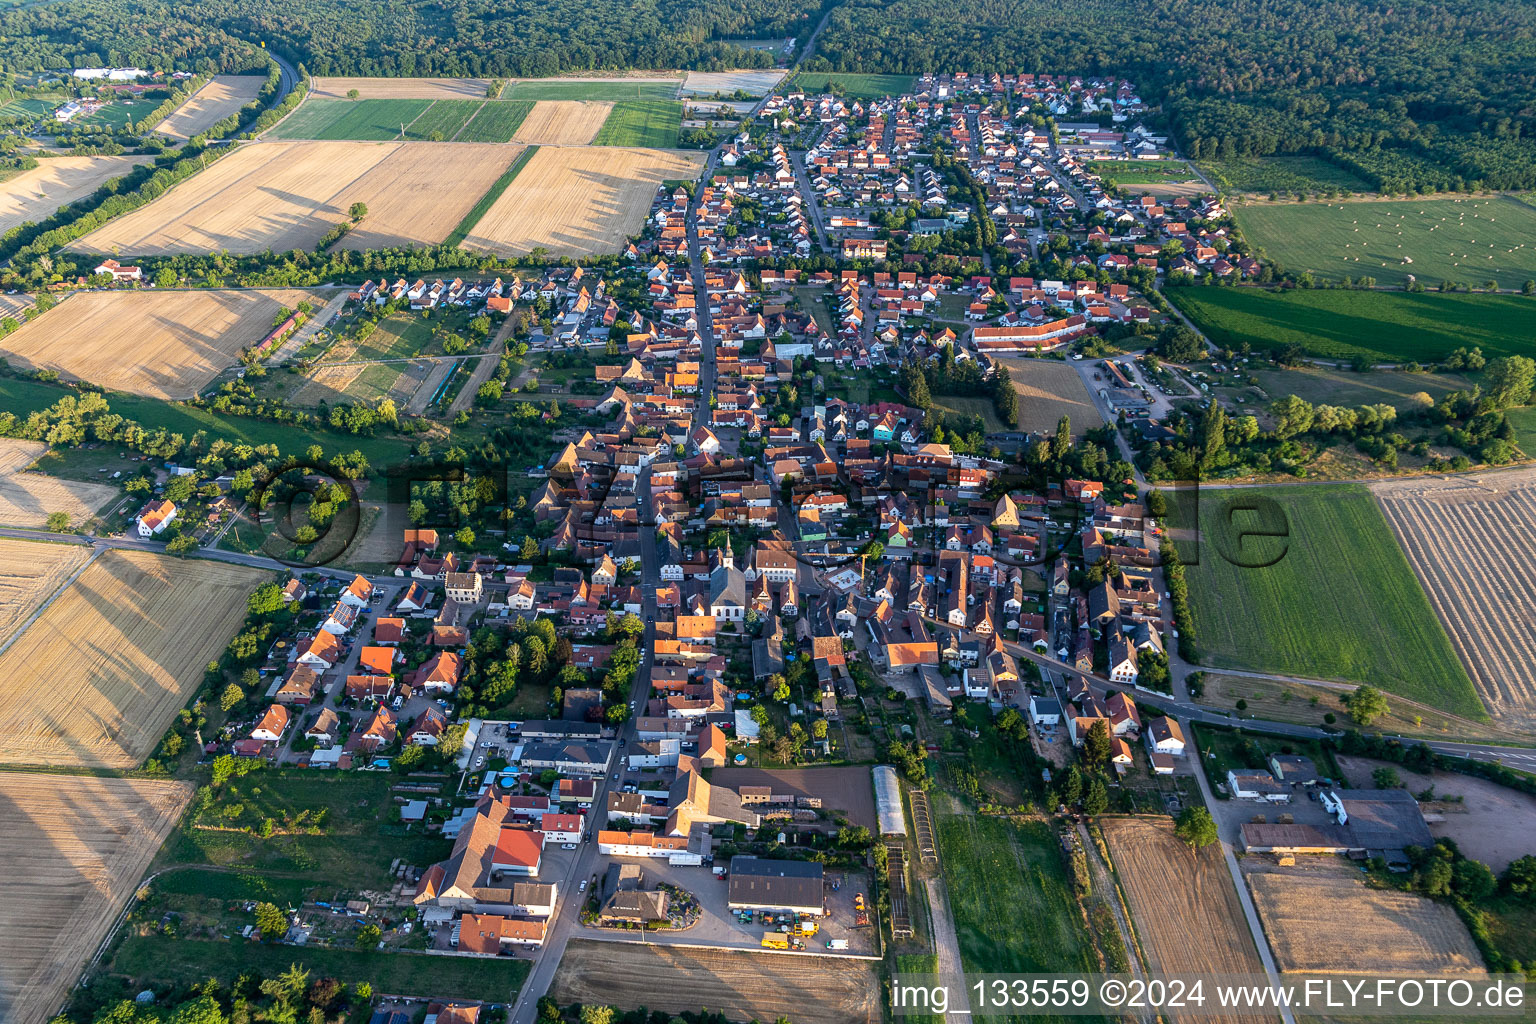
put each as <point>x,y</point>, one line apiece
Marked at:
<point>776,886</point>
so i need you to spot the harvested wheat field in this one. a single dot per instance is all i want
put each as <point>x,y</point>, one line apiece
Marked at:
<point>1188,917</point>
<point>28,499</point>
<point>423,194</point>
<point>1330,925</point>
<point>163,344</point>
<point>30,573</point>
<point>1468,539</point>
<point>562,122</point>
<point>94,682</point>
<point>741,985</point>
<point>222,96</point>
<point>708,83</point>
<point>34,195</point>
<point>579,201</point>
<point>75,849</point>
<point>287,195</point>
<point>1048,390</point>
<point>400,88</point>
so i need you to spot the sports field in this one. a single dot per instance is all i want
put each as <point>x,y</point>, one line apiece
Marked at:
<point>400,88</point>
<point>853,86</point>
<point>578,201</point>
<point>609,90</point>
<point>75,849</point>
<point>94,682</point>
<point>1387,327</point>
<point>220,97</point>
<point>1467,240</point>
<point>27,499</point>
<point>563,122</point>
<point>160,344</point>
<point>34,195</point>
<point>287,195</point>
<point>650,123</point>
<point>1331,596</point>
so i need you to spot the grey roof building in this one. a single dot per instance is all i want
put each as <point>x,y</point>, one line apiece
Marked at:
<point>784,886</point>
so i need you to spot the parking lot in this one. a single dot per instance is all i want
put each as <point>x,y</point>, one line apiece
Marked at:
<point>718,926</point>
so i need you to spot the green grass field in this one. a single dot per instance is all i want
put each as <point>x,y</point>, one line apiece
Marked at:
<point>1385,326</point>
<point>963,405</point>
<point>443,120</point>
<point>361,120</point>
<point>1013,905</point>
<point>1524,422</point>
<point>851,85</point>
<point>1466,240</point>
<point>116,116</point>
<point>1141,172</point>
<point>489,199</point>
<point>495,122</point>
<point>189,961</point>
<point>1265,174</point>
<point>28,108</point>
<point>652,124</point>
<point>566,89</point>
<point>1331,598</point>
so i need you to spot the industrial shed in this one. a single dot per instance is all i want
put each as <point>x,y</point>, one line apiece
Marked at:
<point>777,886</point>
<point>893,822</point>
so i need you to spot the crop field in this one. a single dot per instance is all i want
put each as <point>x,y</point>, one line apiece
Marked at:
<point>578,201</point>
<point>57,181</point>
<point>1467,240</point>
<point>1294,173</point>
<point>853,86</point>
<point>75,853</point>
<point>651,123</point>
<point>1330,925</point>
<point>222,96</point>
<point>1390,327</point>
<point>608,90</point>
<point>1328,596</point>
<point>1188,917</point>
<point>357,120</point>
<point>96,679</point>
<point>160,344</point>
<point>1468,538</point>
<point>401,88</point>
<point>443,120</point>
<point>563,122</point>
<point>1048,390</point>
<point>30,573</point>
<point>753,83</point>
<point>28,499</point>
<point>742,985</point>
<point>287,195</point>
<point>1013,905</point>
<point>495,122</point>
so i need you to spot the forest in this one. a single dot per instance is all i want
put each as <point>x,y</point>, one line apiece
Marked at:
<point>1412,96</point>
<point>408,38</point>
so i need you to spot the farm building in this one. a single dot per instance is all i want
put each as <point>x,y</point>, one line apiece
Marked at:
<point>778,886</point>
<point>888,802</point>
